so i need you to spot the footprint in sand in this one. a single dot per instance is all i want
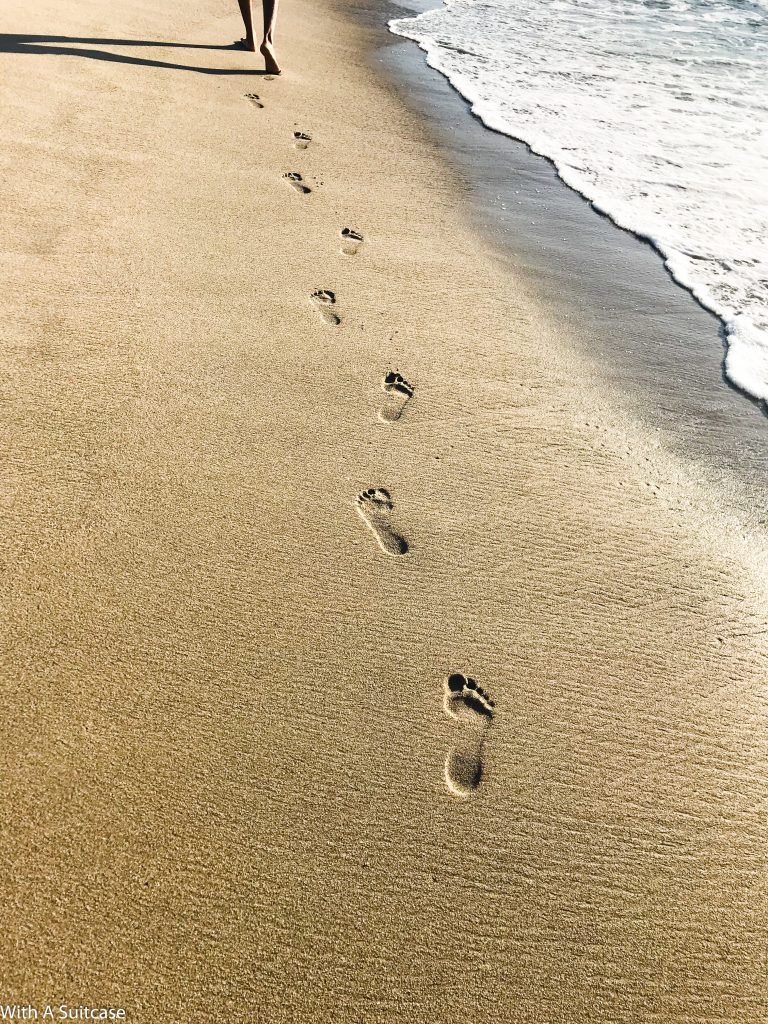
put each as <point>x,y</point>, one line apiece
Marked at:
<point>400,393</point>
<point>375,506</point>
<point>473,710</point>
<point>296,181</point>
<point>324,300</point>
<point>352,241</point>
<point>301,140</point>
<point>254,98</point>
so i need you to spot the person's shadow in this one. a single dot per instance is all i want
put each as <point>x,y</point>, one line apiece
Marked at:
<point>67,45</point>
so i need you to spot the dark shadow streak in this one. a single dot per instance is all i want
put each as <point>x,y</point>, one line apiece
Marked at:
<point>10,43</point>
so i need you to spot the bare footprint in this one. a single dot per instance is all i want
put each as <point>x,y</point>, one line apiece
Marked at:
<point>472,708</point>
<point>375,506</point>
<point>254,98</point>
<point>352,241</point>
<point>324,300</point>
<point>400,392</point>
<point>296,181</point>
<point>301,140</point>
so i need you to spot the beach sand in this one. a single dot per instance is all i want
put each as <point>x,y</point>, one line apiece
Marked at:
<point>227,720</point>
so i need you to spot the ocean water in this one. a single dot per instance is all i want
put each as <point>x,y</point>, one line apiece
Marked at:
<point>654,110</point>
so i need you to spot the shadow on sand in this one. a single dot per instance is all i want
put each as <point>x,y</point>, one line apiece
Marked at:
<point>75,47</point>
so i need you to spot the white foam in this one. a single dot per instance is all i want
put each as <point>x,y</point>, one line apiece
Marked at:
<point>655,111</point>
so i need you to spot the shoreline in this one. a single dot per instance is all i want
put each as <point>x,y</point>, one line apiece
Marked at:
<point>248,776</point>
<point>734,339</point>
<point>666,366</point>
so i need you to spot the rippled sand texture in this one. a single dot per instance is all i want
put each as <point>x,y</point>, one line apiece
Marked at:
<point>245,773</point>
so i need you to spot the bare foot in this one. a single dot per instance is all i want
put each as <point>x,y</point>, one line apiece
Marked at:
<point>270,61</point>
<point>248,44</point>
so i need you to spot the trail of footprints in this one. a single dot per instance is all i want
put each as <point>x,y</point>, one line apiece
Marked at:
<point>464,702</point>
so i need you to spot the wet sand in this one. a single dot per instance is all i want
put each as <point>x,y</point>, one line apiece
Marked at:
<point>331,695</point>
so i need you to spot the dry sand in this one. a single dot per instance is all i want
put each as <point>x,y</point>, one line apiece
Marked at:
<point>225,728</point>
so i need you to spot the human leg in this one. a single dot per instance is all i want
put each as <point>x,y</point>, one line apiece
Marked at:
<point>267,46</point>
